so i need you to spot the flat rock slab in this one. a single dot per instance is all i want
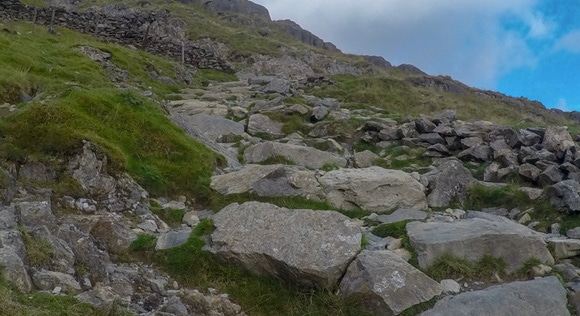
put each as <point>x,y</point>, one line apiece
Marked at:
<point>387,284</point>
<point>374,189</point>
<point>214,127</point>
<point>308,157</point>
<point>540,297</point>
<point>173,239</point>
<point>402,215</point>
<point>270,180</point>
<point>475,237</point>
<point>305,247</point>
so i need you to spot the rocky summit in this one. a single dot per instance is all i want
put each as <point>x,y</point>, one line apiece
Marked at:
<point>197,158</point>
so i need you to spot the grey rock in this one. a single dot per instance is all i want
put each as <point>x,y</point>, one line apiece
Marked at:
<point>8,217</point>
<point>187,123</point>
<point>35,213</point>
<point>424,125</point>
<point>167,80</point>
<point>308,157</point>
<point>475,237</point>
<point>402,215</point>
<point>311,248</point>
<point>318,113</point>
<point>573,233</point>
<point>364,159</point>
<point>529,172</point>
<point>261,124</point>
<point>557,139</point>
<point>565,248</point>
<point>445,117</point>
<point>449,180</point>
<point>550,176</point>
<point>269,180</point>
<point>432,138</point>
<point>440,148</point>
<point>14,270</point>
<point>373,189</point>
<point>173,239</point>
<point>278,85</point>
<point>115,232</point>
<point>48,280</point>
<point>36,171</point>
<point>386,284</point>
<point>389,133</point>
<point>565,195</point>
<point>540,297</point>
<point>532,193</point>
<point>215,127</point>
<point>89,169</point>
<point>567,270</point>
<point>477,153</point>
<point>471,141</point>
<point>450,286</point>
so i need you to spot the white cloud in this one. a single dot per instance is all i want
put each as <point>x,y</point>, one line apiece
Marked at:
<point>569,42</point>
<point>464,39</point>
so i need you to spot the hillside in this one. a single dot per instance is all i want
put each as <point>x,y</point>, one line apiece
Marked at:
<point>197,158</point>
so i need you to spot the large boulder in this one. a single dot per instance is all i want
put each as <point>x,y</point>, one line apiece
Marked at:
<point>565,196</point>
<point>308,157</point>
<point>310,248</point>
<point>270,180</point>
<point>215,127</point>
<point>260,124</point>
<point>475,237</point>
<point>449,180</point>
<point>540,297</point>
<point>373,189</point>
<point>557,139</point>
<point>387,284</point>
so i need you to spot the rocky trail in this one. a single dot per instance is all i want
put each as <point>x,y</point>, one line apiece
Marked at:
<point>394,192</point>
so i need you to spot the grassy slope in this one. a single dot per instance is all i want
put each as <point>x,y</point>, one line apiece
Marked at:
<point>75,101</point>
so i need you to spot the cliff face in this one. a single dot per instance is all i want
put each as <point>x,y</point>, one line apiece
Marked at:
<point>293,29</point>
<point>238,6</point>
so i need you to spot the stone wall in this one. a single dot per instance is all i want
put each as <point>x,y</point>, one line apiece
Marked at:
<point>152,32</point>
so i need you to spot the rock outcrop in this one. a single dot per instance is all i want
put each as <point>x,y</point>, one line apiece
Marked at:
<point>310,248</point>
<point>373,189</point>
<point>475,237</point>
<point>541,297</point>
<point>387,284</point>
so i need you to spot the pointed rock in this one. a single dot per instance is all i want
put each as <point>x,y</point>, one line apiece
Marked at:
<point>386,284</point>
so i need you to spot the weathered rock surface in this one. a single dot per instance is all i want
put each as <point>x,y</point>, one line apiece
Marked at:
<point>565,195</point>
<point>261,124</point>
<point>475,237</point>
<point>308,157</point>
<point>449,180</point>
<point>557,138</point>
<point>401,215</point>
<point>386,284</point>
<point>311,248</point>
<point>270,180</point>
<point>540,297</point>
<point>373,189</point>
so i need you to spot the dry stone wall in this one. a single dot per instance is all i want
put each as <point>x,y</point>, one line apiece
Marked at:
<point>148,31</point>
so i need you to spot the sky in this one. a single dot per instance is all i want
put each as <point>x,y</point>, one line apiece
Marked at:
<point>528,48</point>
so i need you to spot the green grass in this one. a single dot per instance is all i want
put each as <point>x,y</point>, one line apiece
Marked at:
<point>393,93</point>
<point>449,266</point>
<point>39,251</point>
<point>144,242</point>
<point>79,103</point>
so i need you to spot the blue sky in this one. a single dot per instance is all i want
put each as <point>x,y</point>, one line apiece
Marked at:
<point>528,48</point>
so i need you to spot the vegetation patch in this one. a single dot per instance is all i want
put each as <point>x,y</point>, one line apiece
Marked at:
<point>449,266</point>
<point>144,242</point>
<point>398,230</point>
<point>39,251</point>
